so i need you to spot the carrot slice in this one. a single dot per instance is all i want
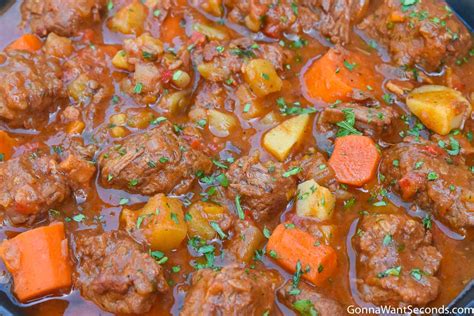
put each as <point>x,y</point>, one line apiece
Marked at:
<point>6,146</point>
<point>28,42</point>
<point>288,246</point>
<point>337,73</point>
<point>38,261</point>
<point>355,159</point>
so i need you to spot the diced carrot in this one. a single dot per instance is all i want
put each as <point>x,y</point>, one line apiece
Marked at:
<point>355,159</point>
<point>28,42</point>
<point>289,245</point>
<point>337,73</point>
<point>397,16</point>
<point>6,146</point>
<point>38,261</point>
<point>171,28</point>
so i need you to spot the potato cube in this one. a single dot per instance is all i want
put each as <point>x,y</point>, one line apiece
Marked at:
<point>314,200</point>
<point>160,221</point>
<point>439,108</point>
<point>262,77</point>
<point>202,214</point>
<point>220,123</point>
<point>282,138</point>
<point>130,19</point>
<point>246,240</point>
<point>120,61</point>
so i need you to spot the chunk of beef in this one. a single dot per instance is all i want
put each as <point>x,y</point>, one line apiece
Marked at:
<point>323,305</point>
<point>156,161</point>
<point>115,273</point>
<point>63,17</point>
<point>31,185</point>
<point>152,70</point>
<point>30,88</point>
<point>231,291</point>
<point>436,181</point>
<point>396,261</point>
<point>332,18</point>
<point>425,33</point>
<point>369,120</point>
<point>315,166</point>
<point>88,77</point>
<point>262,188</point>
<point>37,181</point>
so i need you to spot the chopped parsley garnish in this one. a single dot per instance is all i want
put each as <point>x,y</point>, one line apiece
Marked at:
<point>158,120</point>
<point>133,182</point>
<point>218,230</point>
<point>123,201</point>
<point>247,107</point>
<point>432,176</point>
<point>416,274</point>
<point>240,212</point>
<point>219,164</point>
<point>296,109</point>
<point>350,66</point>
<point>292,171</point>
<point>79,218</point>
<point>138,88</point>
<point>390,272</point>
<point>346,127</point>
<point>305,308</point>
<point>387,240</point>
<point>427,223</point>
<point>266,232</point>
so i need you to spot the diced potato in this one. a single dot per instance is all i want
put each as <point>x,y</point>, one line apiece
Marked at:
<point>77,89</point>
<point>314,200</point>
<point>221,124</point>
<point>130,19</point>
<point>75,127</point>
<point>282,138</point>
<point>328,232</point>
<point>150,46</point>
<point>181,79</point>
<point>439,108</point>
<point>213,7</point>
<point>247,239</point>
<point>202,214</point>
<point>176,102</point>
<point>139,118</point>
<point>58,46</point>
<point>120,61</point>
<point>251,106</point>
<point>118,131</point>
<point>161,222</point>
<point>213,72</point>
<point>270,119</point>
<point>262,77</point>
<point>252,24</point>
<point>212,33</point>
<point>119,119</point>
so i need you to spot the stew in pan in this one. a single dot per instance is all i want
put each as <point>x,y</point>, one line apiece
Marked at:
<point>224,157</point>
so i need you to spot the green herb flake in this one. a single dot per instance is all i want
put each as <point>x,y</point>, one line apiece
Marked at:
<point>240,212</point>
<point>218,230</point>
<point>349,66</point>
<point>416,274</point>
<point>390,272</point>
<point>305,308</point>
<point>138,88</point>
<point>292,171</point>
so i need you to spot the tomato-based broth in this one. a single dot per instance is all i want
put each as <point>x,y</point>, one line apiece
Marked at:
<point>214,157</point>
